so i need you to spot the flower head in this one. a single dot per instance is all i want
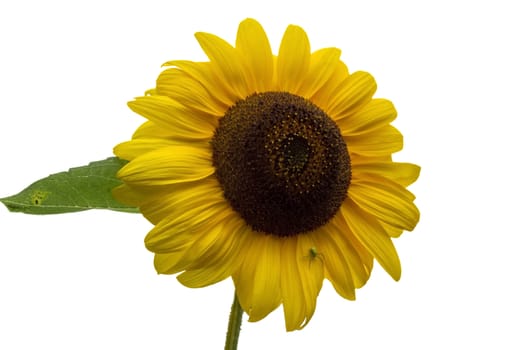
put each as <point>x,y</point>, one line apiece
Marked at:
<point>275,170</point>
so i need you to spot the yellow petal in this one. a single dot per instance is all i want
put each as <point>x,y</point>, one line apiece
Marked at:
<point>266,294</point>
<point>376,114</point>
<point>206,276</point>
<point>202,72</point>
<point>338,234</point>
<point>164,239</point>
<point>162,202</point>
<point>216,254</point>
<point>386,200</point>
<point>175,244</point>
<point>151,130</point>
<point>365,256</point>
<point>401,173</point>
<point>168,165</point>
<point>178,232</point>
<point>351,95</point>
<point>336,267</point>
<point>227,61</point>
<point>373,236</point>
<point>230,244</point>
<point>311,270</point>
<point>243,277</point>
<point>172,116</point>
<point>125,194</point>
<point>323,65</point>
<point>293,59</point>
<point>180,86</point>
<point>391,230</point>
<point>137,195</point>
<point>137,147</point>
<point>254,46</point>
<point>215,248</point>
<point>258,281</point>
<point>170,263</point>
<point>292,287</point>
<point>379,142</point>
<point>327,92</point>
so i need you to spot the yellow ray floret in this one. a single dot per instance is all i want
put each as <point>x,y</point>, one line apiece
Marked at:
<point>275,170</point>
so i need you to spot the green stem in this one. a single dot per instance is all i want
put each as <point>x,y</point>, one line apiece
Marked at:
<point>231,342</point>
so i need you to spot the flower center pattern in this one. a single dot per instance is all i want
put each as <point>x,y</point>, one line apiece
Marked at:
<point>282,163</point>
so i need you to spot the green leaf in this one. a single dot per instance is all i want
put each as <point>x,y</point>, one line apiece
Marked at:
<point>82,188</point>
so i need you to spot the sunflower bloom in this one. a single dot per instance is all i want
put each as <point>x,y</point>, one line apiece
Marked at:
<point>275,170</point>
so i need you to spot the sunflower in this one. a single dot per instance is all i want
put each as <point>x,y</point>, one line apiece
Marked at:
<point>274,170</point>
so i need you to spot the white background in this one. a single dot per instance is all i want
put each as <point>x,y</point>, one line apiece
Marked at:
<point>85,281</point>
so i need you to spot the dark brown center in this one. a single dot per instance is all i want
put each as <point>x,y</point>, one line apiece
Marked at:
<point>281,162</point>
